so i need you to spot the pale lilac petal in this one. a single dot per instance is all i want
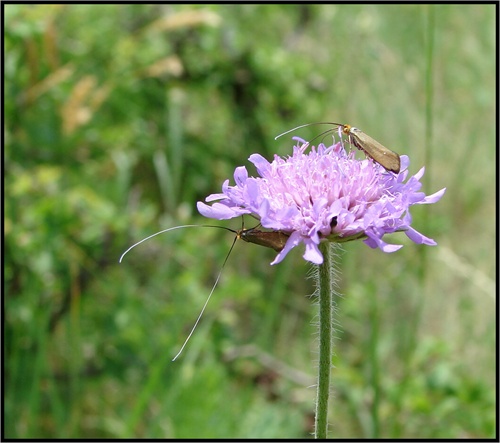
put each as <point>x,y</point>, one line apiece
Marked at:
<point>260,163</point>
<point>433,198</point>
<point>213,197</point>
<point>240,175</point>
<point>375,242</point>
<point>293,241</point>
<point>405,162</point>
<point>420,173</point>
<point>220,211</point>
<point>253,191</point>
<point>313,254</point>
<point>418,238</point>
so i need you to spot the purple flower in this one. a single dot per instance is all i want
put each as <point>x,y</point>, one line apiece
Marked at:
<point>325,194</point>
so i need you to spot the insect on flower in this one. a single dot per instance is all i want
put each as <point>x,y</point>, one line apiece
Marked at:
<point>270,239</point>
<point>371,147</point>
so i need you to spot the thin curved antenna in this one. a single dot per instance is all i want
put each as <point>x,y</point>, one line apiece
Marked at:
<point>171,229</point>
<point>307,124</point>
<point>209,296</point>
<point>238,235</point>
<point>322,134</point>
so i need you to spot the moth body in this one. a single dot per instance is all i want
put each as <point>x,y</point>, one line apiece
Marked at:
<point>372,148</point>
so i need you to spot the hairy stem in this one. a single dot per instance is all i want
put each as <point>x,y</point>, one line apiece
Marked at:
<point>326,292</point>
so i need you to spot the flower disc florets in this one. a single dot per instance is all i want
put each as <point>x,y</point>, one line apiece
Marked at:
<point>324,195</point>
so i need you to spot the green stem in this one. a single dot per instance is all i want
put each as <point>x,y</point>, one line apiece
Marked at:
<point>326,291</point>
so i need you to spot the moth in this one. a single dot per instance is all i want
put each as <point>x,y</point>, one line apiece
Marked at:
<point>371,147</point>
<point>270,239</point>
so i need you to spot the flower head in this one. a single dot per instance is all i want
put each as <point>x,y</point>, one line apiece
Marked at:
<point>324,195</point>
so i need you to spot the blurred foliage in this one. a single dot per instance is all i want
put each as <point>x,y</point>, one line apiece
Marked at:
<point>120,117</point>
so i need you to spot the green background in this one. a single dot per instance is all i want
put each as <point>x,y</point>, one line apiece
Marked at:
<point>119,118</point>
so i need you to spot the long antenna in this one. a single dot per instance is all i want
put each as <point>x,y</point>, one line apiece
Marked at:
<point>238,235</point>
<point>307,124</point>
<point>208,299</point>
<point>171,229</point>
